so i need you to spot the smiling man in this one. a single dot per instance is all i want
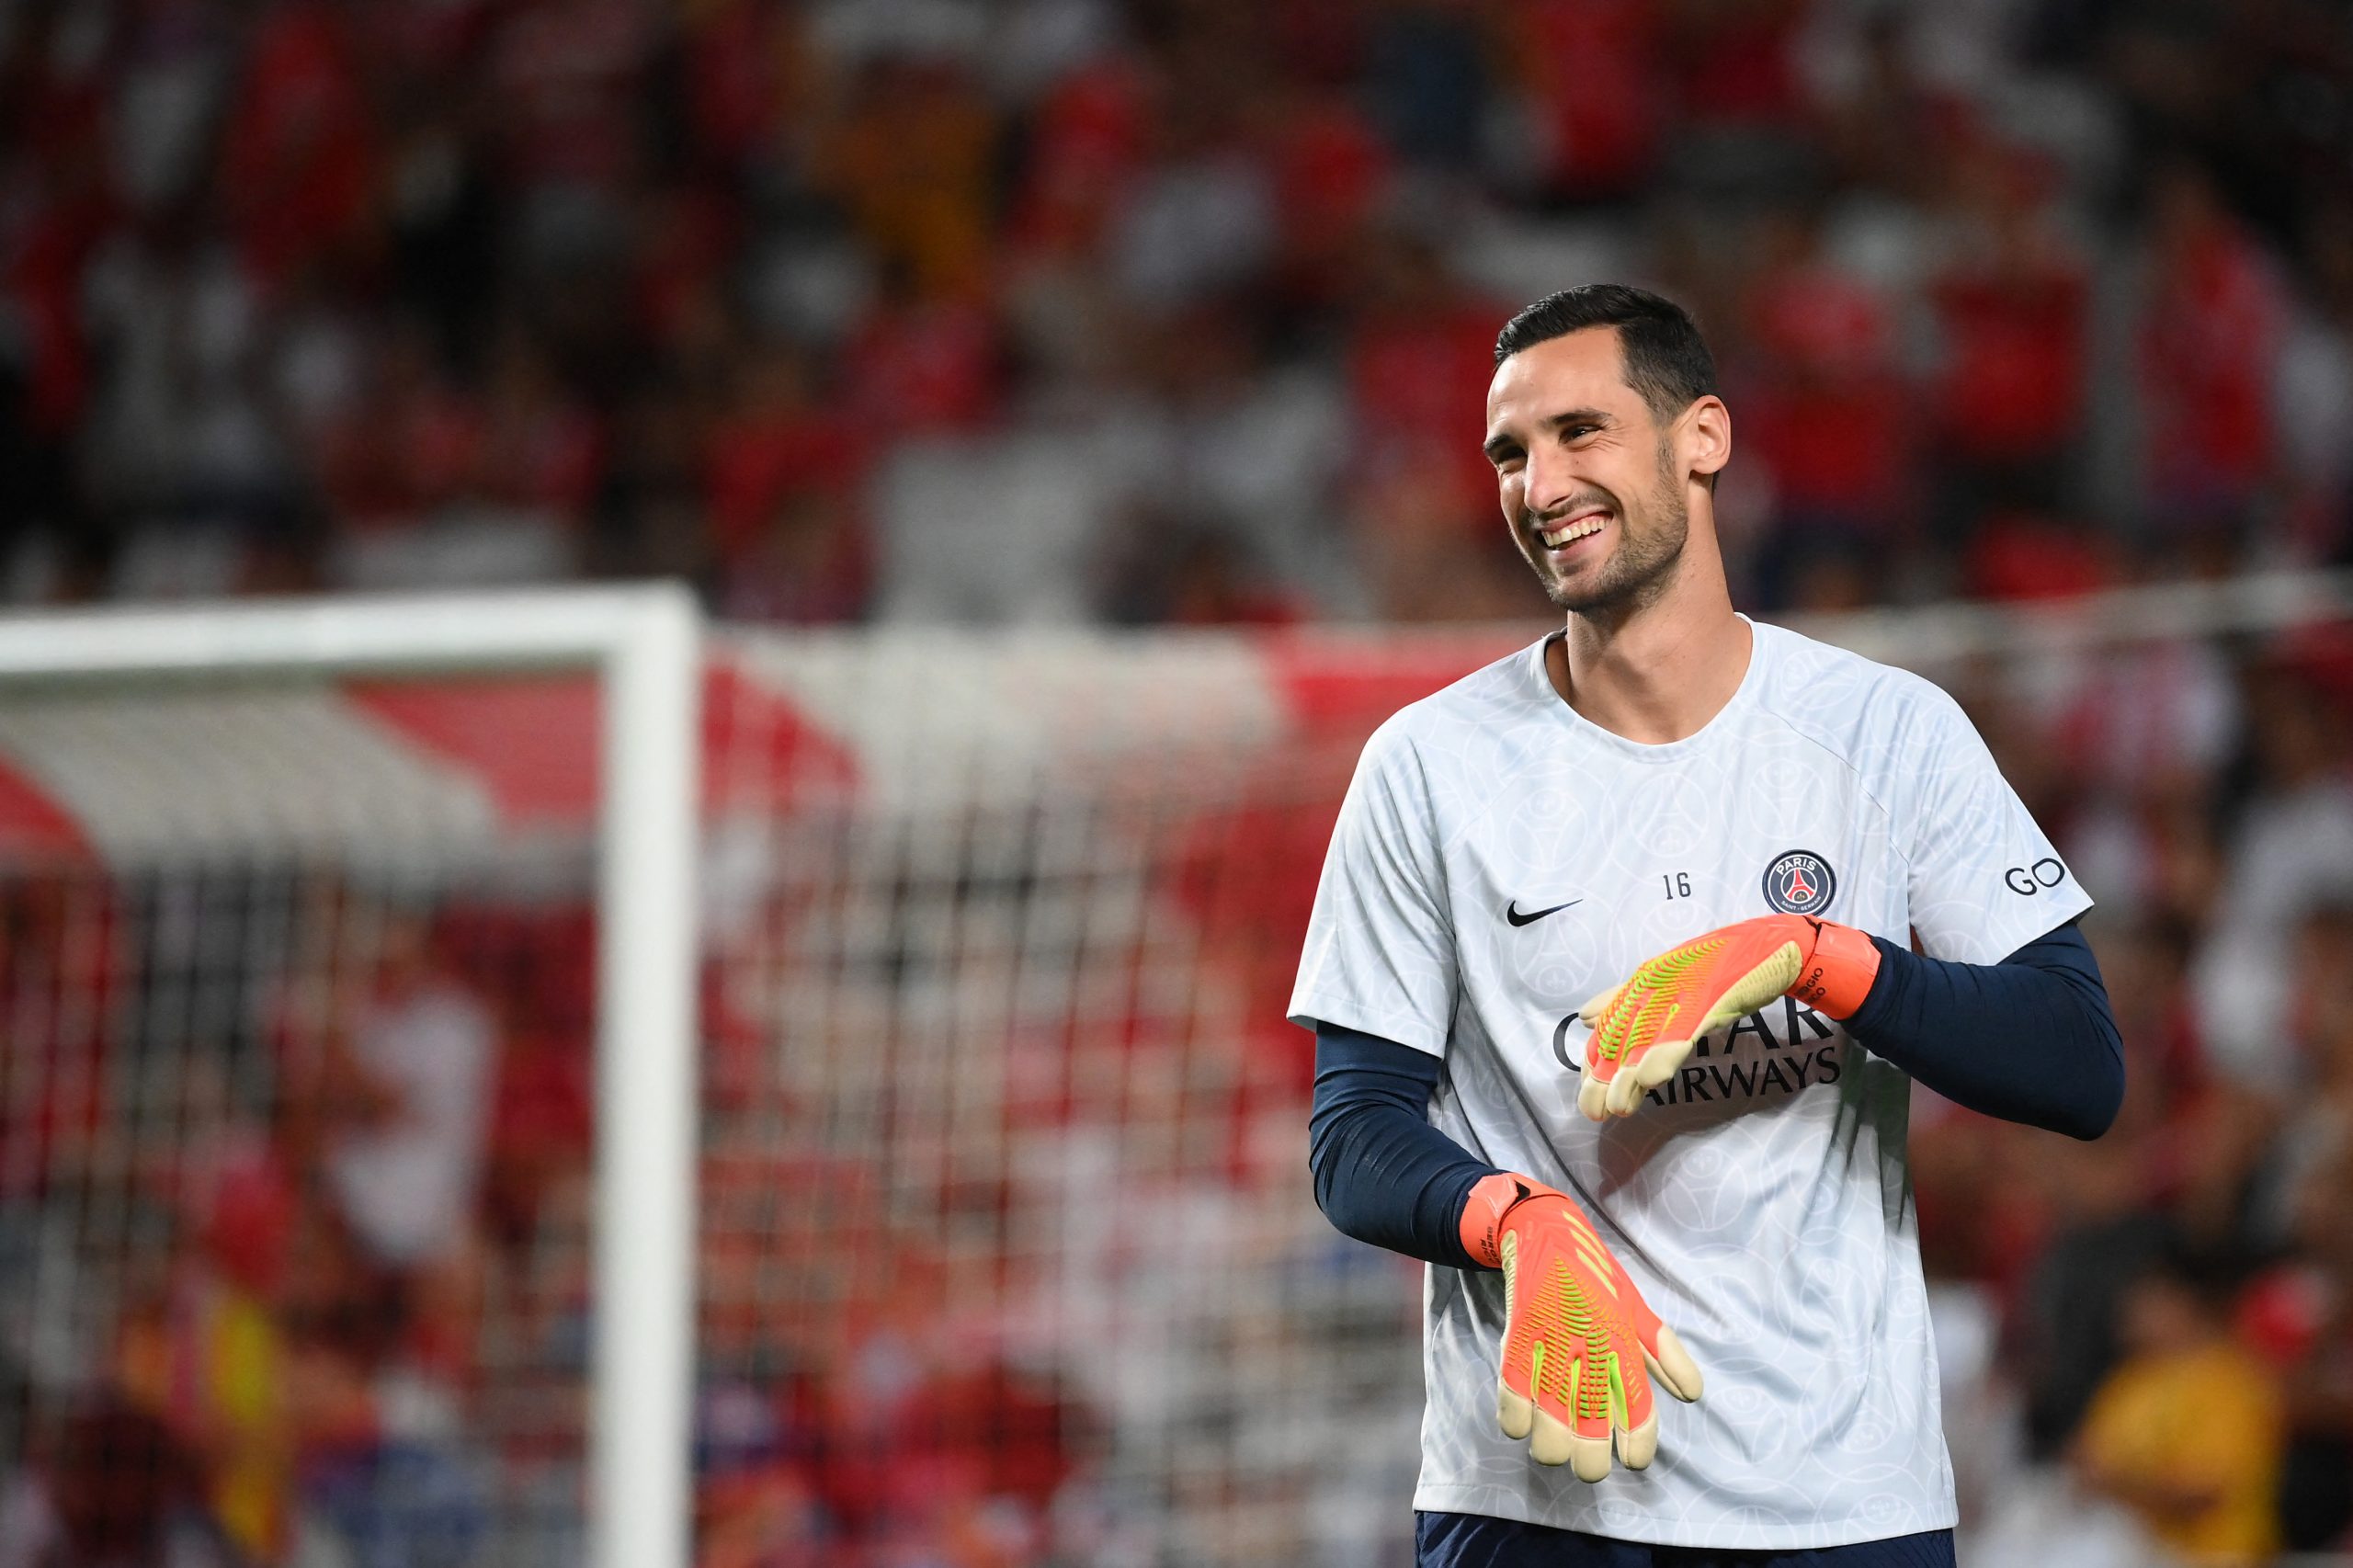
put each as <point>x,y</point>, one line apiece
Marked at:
<point>1628,951</point>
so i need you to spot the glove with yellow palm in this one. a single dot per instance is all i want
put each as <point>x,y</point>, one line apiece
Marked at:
<point>1581,1346</point>
<point>1643,1029</point>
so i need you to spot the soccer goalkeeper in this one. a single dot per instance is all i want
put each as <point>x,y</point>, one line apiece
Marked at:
<point>1628,951</point>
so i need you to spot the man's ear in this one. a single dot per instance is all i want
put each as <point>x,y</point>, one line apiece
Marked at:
<point>1705,439</point>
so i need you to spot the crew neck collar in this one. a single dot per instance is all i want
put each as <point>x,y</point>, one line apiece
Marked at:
<point>1742,696</point>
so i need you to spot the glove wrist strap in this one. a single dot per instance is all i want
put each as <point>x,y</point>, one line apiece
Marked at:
<point>1839,975</point>
<point>1483,1217</point>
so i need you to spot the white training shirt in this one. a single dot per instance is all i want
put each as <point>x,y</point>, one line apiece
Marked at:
<point>1760,1198</point>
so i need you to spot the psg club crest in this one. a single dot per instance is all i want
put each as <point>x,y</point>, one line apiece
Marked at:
<point>1799,882</point>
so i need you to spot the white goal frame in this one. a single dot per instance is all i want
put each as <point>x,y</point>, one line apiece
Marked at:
<point>645,643</point>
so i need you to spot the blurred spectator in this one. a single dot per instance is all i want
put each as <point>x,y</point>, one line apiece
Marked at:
<point>2010,299</point>
<point>61,968</point>
<point>206,1353</point>
<point>1419,353</point>
<point>1206,440</point>
<point>806,566</point>
<point>1426,81</point>
<point>919,367</point>
<point>910,153</point>
<point>2103,1239</point>
<point>539,451</point>
<point>2300,1312</point>
<point>2209,340</point>
<point>405,1086</point>
<point>110,1487</point>
<point>1821,414</point>
<point>777,443</point>
<point>2292,850</point>
<point>1181,573</point>
<point>2315,392</point>
<point>300,162</point>
<point>1735,63</point>
<point>1198,218</point>
<point>976,531</point>
<point>1598,128</point>
<point>2188,1431</point>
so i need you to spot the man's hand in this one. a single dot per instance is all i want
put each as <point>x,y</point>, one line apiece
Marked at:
<point>1643,1029</point>
<point>1581,1346</point>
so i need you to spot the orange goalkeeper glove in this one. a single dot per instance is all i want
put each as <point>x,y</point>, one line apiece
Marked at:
<point>1643,1029</point>
<point>1581,1346</point>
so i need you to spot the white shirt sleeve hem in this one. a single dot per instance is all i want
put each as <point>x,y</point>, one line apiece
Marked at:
<point>1307,1011</point>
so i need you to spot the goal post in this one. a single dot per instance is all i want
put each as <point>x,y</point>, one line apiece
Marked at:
<point>644,644</point>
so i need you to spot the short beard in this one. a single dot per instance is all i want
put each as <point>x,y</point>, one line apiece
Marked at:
<point>1640,571</point>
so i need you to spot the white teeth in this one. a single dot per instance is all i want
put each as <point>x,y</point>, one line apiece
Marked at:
<point>1555,538</point>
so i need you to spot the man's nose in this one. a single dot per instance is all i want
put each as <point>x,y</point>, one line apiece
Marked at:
<point>1550,481</point>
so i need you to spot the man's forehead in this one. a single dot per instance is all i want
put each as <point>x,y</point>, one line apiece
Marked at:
<point>1586,368</point>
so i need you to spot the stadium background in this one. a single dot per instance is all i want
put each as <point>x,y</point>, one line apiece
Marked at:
<point>933,342</point>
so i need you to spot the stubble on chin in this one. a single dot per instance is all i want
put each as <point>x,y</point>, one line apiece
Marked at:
<point>1638,572</point>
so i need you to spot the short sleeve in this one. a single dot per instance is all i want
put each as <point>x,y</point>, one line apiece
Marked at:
<point>1380,954</point>
<point>1984,881</point>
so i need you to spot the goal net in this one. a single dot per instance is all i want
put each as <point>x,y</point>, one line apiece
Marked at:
<point>1002,1249</point>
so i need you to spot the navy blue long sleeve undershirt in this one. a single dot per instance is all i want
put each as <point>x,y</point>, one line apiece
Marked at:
<point>2029,1040</point>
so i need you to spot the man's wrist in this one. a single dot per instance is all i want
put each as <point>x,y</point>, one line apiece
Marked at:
<point>1839,975</point>
<point>1491,1197</point>
<point>1887,992</point>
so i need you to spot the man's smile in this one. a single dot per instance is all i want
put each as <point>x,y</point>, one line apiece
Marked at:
<point>1575,527</point>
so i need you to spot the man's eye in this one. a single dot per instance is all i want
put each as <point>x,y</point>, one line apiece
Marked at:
<point>1575,432</point>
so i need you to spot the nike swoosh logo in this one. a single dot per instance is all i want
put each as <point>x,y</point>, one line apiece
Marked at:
<point>1512,914</point>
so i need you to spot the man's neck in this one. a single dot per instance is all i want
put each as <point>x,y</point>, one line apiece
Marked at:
<point>1660,671</point>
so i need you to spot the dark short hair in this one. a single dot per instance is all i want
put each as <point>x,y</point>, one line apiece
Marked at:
<point>1667,360</point>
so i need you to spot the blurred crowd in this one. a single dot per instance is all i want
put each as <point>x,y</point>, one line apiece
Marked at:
<point>1169,310</point>
<point>2152,1334</point>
